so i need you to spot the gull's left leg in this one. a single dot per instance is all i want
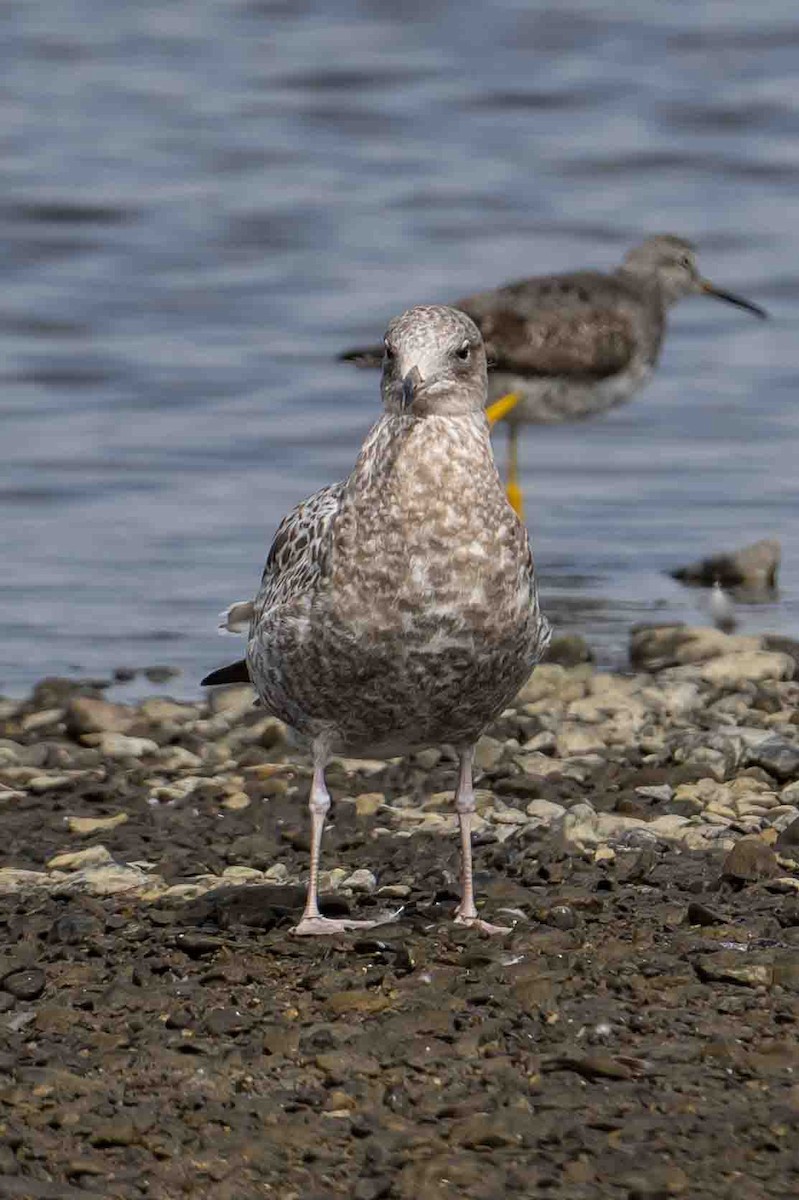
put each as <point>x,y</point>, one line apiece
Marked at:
<point>466,913</point>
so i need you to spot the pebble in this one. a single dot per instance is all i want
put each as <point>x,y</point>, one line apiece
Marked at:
<point>736,670</point>
<point>76,860</point>
<point>545,810</point>
<point>748,861</point>
<point>777,756</point>
<point>24,985</point>
<point>368,803</point>
<point>84,714</point>
<point>236,801</point>
<point>121,745</point>
<point>362,881</point>
<point>86,825</point>
<point>731,966</point>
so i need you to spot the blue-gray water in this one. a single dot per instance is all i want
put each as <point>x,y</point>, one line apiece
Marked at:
<point>201,203</point>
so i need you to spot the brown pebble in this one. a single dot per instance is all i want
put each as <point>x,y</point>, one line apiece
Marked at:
<point>749,860</point>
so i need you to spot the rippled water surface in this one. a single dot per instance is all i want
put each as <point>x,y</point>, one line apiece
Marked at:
<point>201,203</point>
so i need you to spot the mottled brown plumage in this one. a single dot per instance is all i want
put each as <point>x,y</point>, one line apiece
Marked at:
<point>399,608</point>
<point>576,344</point>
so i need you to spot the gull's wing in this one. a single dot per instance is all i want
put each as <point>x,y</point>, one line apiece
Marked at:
<point>576,326</point>
<point>297,558</point>
<point>299,554</point>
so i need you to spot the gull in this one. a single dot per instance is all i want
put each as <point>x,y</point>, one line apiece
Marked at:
<point>399,608</point>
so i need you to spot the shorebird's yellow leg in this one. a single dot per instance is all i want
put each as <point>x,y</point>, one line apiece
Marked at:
<point>513,487</point>
<point>500,408</point>
<point>497,412</point>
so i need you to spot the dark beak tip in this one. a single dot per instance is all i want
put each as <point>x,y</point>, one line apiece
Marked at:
<point>738,301</point>
<point>409,386</point>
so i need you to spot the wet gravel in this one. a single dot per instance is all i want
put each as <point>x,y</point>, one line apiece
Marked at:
<point>162,1033</point>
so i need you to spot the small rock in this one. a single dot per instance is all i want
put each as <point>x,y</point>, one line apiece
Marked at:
<point>732,966</point>
<point>118,1132</point>
<point>76,860</point>
<point>735,670</point>
<point>87,715</point>
<point>361,880</point>
<point>755,565</point>
<point>545,811</point>
<point>698,914</point>
<point>109,880</point>
<point>777,756</point>
<point>569,650</point>
<point>160,673</point>
<point>121,745</point>
<point>654,647</point>
<point>789,838</point>
<point>84,825</point>
<point>277,873</point>
<point>368,803</point>
<point>243,875</point>
<point>234,702</point>
<point>749,860</point>
<point>236,801</point>
<point>561,916</point>
<point>15,879</point>
<point>24,985</point>
<point>659,791</point>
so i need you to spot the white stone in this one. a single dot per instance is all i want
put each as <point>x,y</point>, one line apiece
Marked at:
<point>655,791</point>
<point>361,880</point>
<point>84,825</point>
<point>76,860</point>
<point>122,745</point>
<point>545,810</point>
<point>734,670</point>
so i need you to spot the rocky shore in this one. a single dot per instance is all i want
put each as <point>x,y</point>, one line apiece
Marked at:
<point>635,1036</point>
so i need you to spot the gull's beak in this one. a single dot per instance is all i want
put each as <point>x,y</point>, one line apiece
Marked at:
<point>410,386</point>
<point>708,290</point>
<point>500,408</point>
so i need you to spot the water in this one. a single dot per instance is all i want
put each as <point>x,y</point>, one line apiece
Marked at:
<point>201,204</point>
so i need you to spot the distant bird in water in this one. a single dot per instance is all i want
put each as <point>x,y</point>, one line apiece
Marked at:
<point>722,609</point>
<point>399,608</point>
<point>575,345</point>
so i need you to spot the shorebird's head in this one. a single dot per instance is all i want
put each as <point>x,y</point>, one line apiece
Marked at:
<point>434,363</point>
<point>670,263</point>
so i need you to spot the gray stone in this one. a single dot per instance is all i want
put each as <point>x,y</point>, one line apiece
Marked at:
<point>755,565</point>
<point>777,756</point>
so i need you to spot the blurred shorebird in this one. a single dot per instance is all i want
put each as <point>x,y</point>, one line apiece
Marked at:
<point>722,609</point>
<point>399,608</point>
<point>575,345</point>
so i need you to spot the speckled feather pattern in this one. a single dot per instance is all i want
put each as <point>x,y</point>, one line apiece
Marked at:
<point>572,345</point>
<point>400,608</point>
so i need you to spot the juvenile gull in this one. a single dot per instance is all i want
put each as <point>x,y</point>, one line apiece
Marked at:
<point>576,345</point>
<point>399,608</point>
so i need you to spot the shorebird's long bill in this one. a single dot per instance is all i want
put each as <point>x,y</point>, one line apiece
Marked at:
<point>731,298</point>
<point>500,408</point>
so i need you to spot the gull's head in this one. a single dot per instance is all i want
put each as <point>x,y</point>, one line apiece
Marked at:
<point>670,263</point>
<point>434,363</point>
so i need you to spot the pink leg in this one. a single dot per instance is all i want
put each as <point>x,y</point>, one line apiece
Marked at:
<point>312,922</point>
<point>466,912</point>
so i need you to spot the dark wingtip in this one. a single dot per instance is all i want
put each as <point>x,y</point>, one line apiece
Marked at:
<point>363,356</point>
<point>234,673</point>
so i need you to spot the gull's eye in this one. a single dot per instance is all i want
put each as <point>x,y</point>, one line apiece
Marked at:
<point>463,352</point>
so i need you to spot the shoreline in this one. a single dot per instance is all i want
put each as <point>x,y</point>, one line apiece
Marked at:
<point>633,1036</point>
